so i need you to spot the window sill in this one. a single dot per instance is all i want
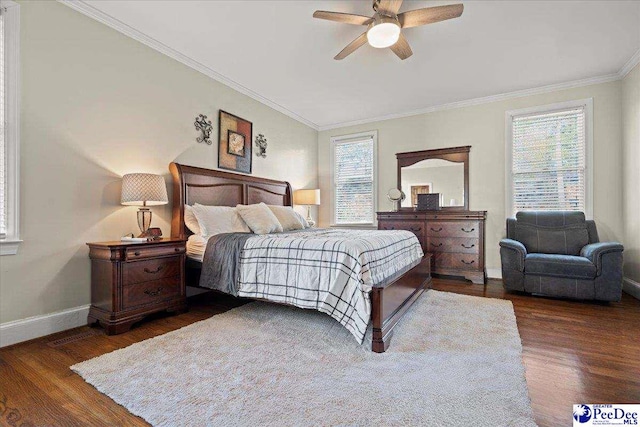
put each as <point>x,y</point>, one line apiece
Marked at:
<point>9,246</point>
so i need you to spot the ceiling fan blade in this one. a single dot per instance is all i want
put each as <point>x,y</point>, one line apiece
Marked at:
<point>402,48</point>
<point>389,7</point>
<point>429,15</point>
<point>346,18</point>
<point>351,47</point>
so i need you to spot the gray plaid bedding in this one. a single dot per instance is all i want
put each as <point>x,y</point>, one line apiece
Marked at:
<point>329,270</point>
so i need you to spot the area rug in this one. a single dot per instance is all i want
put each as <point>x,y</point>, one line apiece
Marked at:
<point>454,360</point>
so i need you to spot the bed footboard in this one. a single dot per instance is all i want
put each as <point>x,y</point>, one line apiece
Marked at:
<point>390,303</point>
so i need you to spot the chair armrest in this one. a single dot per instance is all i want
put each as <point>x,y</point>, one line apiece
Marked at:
<point>519,252</point>
<point>595,251</point>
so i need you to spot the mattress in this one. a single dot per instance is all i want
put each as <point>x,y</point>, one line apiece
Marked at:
<point>196,245</point>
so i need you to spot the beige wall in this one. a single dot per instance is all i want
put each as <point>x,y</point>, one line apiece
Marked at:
<point>95,105</point>
<point>631,153</point>
<point>483,127</point>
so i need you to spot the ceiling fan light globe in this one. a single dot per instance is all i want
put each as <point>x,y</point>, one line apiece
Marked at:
<point>383,35</point>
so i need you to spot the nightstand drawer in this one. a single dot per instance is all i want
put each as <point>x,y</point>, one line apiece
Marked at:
<point>152,251</point>
<point>152,269</point>
<point>150,292</point>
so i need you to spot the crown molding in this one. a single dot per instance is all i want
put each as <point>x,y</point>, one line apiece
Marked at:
<point>630,65</point>
<point>90,11</point>
<point>484,100</point>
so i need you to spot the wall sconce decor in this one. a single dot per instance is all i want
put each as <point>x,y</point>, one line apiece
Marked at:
<point>204,126</point>
<point>261,145</point>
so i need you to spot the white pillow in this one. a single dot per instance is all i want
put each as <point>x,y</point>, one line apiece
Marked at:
<point>259,218</point>
<point>287,217</point>
<point>190,220</point>
<point>302,219</point>
<point>219,219</point>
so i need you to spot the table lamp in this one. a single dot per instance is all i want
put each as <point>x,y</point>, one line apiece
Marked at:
<point>143,189</point>
<point>308,198</point>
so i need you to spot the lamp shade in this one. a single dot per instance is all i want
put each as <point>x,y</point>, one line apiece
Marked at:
<point>306,197</point>
<point>143,189</point>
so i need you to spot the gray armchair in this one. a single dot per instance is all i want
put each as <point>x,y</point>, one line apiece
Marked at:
<point>559,254</point>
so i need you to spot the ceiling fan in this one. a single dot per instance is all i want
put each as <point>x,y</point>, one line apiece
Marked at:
<point>384,27</point>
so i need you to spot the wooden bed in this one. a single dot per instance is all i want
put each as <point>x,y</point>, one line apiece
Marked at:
<point>217,188</point>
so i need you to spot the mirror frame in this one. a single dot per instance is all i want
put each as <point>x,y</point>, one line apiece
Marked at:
<point>453,154</point>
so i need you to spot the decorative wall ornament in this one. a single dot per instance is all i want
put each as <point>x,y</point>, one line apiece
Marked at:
<point>234,143</point>
<point>261,145</point>
<point>204,126</point>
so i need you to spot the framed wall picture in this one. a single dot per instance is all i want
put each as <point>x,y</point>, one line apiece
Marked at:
<point>234,143</point>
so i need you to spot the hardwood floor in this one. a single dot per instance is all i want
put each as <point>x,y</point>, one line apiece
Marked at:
<point>574,352</point>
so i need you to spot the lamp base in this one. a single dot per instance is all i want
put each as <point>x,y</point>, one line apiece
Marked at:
<point>144,220</point>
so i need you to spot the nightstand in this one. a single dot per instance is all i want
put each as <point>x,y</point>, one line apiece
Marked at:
<point>132,280</point>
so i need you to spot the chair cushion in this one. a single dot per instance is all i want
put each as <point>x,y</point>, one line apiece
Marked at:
<point>568,266</point>
<point>563,233</point>
<point>550,219</point>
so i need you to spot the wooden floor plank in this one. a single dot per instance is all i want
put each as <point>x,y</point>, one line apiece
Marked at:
<point>573,352</point>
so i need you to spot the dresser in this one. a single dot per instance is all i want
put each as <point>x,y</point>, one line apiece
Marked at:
<point>132,280</point>
<point>455,238</point>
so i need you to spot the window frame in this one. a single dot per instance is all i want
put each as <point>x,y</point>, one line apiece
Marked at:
<point>11,11</point>
<point>587,105</point>
<point>356,137</point>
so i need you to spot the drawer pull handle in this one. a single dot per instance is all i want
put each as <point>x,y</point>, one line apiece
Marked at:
<point>467,247</point>
<point>137,253</point>
<point>177,249</point>
<point>468,231</point>
<point>436,246</point>
<point>437,231</point>
<point>415,230</point>
<point>153,293</point>
<point>389,228</point>
<point>467,262</point>
<point>157,270</point>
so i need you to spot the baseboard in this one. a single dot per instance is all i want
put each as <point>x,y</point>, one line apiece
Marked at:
<point>631,287</point>
<point>39,326</point>
<point>494,273</point>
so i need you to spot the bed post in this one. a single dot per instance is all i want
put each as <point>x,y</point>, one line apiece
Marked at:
<point>379,342</point>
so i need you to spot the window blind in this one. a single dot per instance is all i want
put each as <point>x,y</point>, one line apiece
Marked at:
<point>548,161</point>
<point>353,179</point>
<point>3,161</point>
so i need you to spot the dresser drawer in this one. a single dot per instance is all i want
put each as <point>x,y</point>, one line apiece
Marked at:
<point>152,269</point>
<point>150,292</point>
<point>152,251</point>
<point>453,244</point>
<point>458,261</point>
<point>453,229</point>
<point>416,227</point>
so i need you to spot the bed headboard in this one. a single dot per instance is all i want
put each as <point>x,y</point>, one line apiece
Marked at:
<point>217,188</point>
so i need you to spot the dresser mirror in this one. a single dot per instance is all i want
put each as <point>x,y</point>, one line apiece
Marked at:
<point>444,171</point>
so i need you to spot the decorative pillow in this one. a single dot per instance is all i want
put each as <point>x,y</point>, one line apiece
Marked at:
<point>302,219</point>
<point>190,220</point>
<point>287,217</point>
<point>219,219</point>
<point>259,218</point>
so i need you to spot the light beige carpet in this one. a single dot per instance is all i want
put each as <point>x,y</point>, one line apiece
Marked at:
<point>454,361</point>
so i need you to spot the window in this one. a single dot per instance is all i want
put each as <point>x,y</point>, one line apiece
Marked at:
<point>9,128</point>
<point>354,187</point>
<point>548,158</point>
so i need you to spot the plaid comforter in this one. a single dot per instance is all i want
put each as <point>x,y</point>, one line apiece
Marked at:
<point>329,270</point>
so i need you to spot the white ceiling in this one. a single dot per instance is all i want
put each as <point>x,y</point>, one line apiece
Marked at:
<point>276,50</point>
